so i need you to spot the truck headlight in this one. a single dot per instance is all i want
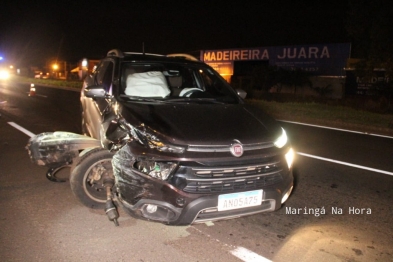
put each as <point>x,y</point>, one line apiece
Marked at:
<point>289,157</point>
<point>150,140</point>
<point>164,147</point>
<point>282,139</point>
<point>160,170</point>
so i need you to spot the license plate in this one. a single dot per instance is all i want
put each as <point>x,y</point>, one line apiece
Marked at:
<point>239,200</point>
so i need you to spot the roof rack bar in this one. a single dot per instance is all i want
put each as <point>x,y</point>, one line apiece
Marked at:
<point>137,53</point>
<point>116,52</point>
<point>185,56</point>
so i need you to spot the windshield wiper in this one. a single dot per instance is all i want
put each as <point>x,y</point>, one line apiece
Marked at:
<point>143,99</point>
<point>195,100</point>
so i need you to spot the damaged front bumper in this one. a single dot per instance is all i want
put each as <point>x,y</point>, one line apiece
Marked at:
<point>171,202</point>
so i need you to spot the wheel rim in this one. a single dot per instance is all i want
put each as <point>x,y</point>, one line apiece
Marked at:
<point>92,180</point>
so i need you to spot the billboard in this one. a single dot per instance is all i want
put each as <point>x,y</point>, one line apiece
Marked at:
<point>321,59</point>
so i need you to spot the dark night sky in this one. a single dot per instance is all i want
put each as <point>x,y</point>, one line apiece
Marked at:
<point>34,31</point>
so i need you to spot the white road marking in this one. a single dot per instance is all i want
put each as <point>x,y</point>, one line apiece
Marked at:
<point>248,256</point>
<point>23,130</point>
<point>346,164</point>
<point>338,129</point>
<point>240,252</point>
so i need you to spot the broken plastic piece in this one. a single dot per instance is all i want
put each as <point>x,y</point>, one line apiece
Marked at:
<point>55,149</point>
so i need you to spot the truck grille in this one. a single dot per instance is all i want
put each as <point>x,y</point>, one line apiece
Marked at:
<point>230,179</point>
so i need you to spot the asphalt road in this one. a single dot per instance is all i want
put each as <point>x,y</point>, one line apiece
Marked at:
<point>336,212</point>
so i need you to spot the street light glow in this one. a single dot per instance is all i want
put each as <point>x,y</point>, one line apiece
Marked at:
<point>84,62</point>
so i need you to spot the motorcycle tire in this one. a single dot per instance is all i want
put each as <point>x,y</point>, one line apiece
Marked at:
<point>86,178</point>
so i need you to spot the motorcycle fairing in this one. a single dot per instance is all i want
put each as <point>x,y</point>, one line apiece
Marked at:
<point>54,149</point>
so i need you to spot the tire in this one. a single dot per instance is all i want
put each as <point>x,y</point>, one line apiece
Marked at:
<point>86,178</point>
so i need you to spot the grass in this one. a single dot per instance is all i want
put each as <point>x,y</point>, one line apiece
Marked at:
<point>49,82</point>
<point>329,115</point>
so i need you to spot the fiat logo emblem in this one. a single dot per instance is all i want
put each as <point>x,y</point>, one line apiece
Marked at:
<point>237,149</point>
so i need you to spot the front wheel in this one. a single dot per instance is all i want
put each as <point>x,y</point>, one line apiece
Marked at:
<point>87,178</point>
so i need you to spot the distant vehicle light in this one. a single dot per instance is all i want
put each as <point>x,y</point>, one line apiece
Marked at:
<point>4,74</point>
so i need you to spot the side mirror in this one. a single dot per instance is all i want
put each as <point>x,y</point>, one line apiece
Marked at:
<point>95,92</point>
<point>241,93</point>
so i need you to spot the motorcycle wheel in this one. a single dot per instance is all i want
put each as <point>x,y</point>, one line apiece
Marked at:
<point>86,178</point>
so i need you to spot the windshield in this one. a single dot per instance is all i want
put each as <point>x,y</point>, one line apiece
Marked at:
<point>174,82</point>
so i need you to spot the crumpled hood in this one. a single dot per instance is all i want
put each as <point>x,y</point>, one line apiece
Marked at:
<point>203,124</point>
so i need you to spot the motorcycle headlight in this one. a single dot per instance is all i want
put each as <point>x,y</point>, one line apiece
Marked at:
<point>282,139</point>
<point>160,170</point>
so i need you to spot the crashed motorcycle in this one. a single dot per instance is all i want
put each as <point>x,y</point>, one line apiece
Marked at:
<point>91,174</point>
<point>92,163</point>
